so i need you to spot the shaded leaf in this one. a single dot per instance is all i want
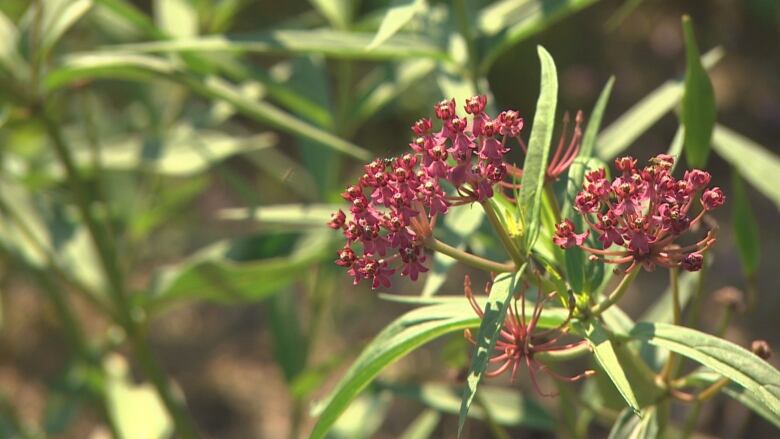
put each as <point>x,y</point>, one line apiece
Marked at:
<point>535,165</point>
<point>338,12</point>
<point>629,426</point>
<point>58,17</point>
<point>745,226</point>
<point>506,406</point>
<point>698,103</point>
<point>501,293</point>
<point>757,376</point>
<point>704,378</point>
<point>293,215</point>
<point>220,274</point>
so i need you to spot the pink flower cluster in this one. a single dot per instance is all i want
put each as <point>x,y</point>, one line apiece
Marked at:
<point>643,211</point>
<point>395,203</point>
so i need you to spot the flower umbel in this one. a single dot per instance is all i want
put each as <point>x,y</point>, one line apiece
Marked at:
<point>644,211</point>
<point>519,339</point>
<point>395,203</point>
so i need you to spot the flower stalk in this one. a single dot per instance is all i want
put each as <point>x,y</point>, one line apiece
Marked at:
<point>506,241</point>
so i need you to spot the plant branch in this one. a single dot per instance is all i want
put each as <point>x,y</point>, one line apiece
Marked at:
<point>616,294</point>
<point>185,426</point>
<point>468,258</point>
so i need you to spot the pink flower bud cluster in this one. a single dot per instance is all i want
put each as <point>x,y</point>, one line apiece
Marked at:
<point>394,204</point>
<point>643,211</point>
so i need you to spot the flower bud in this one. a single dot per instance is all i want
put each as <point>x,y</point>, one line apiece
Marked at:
<point>761,349</point>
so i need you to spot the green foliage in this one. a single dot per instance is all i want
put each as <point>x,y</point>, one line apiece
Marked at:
<point>698,103</point>
<point>745,226</point>
<point>535,164</point>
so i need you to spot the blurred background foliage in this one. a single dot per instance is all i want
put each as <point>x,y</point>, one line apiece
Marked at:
<point>168,167</point>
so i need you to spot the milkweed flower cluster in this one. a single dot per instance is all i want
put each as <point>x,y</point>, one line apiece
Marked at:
<point>644,211</point>
<point>394,204</point>
<point>520,339</point>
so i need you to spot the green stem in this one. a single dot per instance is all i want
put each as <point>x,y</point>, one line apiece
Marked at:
<point>563,355</point>
<point>468,258</point>
<point>693,318</point>
<point>503,236</point>
<point>667,372</point>
<point>616,294</point>
<point>185,426</point>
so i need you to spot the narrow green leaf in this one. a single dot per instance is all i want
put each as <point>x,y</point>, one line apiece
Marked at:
<point>607,358</point>
<point>629,426</point>
<point>698,102</point>
<point>745,226</point>
<point>408,332</point>
<point>661,311</point>
<point>294,215</point>
<point>594,123</point>
<point>755,163</point>
<point>619,135</point>
<point>506,407</point>
<point>758,377</point>
<point>705,378</point>
<point>535,165</point>
<point>501,293</point>
<point>10,59</point>
<point>423,425</point>
<point>98,65</point>
<point>220,274</point>
<point>506,23</point>
<point>398,14</point>
<point>331,43</point>
<point>389,82</point>
<point>289,344</point>
<point>60,16</point>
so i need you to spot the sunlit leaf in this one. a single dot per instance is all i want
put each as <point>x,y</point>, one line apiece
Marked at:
<point>363,418</point>
<point>292,215</point>
<point>398,14</point>
<point>177,18</point>
<point>58,17</point>
<point>501,293</point>
<point>92,65</point>
<point>607,358</point>
<point>406,333</point>
<point>744,226</point>
<point>128,402</point>
<point>331,43</point>
<point>508,22</point>
<point>535,165</point>
<point>698,103</point>
<point>619,135</point>
<point>755,163</point>
<point>338,12</point>
<point>758,377</point>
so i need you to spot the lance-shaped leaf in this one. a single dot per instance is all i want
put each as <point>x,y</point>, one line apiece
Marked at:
<point>535,165</point>
<point>607,358</point>
<point>629,426</point>
<point>755,163</point>
<point>744,226</point>
<point>501,294</point>
<point>398,14</point>
<point>633,123</point>
<point>757,376</point>
<point>705,378</point>
<point>405,334</point>
<point>698,103</point>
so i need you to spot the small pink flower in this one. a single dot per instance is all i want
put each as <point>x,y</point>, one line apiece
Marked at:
<point>565,237</point>
<point>713,198</point>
